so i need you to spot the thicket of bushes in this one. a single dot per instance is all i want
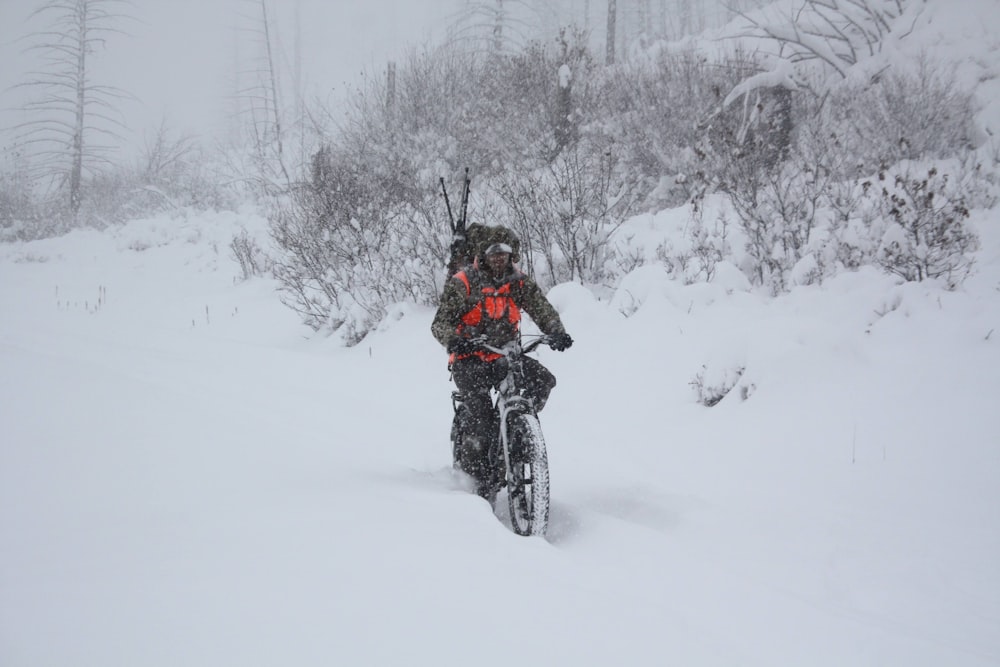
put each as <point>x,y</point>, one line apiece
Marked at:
<point>565,150</point>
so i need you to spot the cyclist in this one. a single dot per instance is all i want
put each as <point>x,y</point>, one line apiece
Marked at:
<point>484,301</point>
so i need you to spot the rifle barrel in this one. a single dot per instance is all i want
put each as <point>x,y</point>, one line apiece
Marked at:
<point>451,218</point>
<point>465,198</point>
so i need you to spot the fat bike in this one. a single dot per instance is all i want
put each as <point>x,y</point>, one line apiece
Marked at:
<point>517,458</point>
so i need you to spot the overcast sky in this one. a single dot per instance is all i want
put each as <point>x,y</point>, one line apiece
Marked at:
<point>179,54</point>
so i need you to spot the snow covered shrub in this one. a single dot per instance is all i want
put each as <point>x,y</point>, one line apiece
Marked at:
<point>778,183</point>
<point>901,115</point>
<point>656,109</point>
<point>849,240</point>
<point>21,217</point>
<point>980,183</point>
<point>778,209</point>
<point>567,210</point>
<point>357,238</point>
<point>852,242</point>
<point>491,109</point>
<point>249,255</point>
<point>711,386</point>
<point>925,234</point>
<point>115,196</point>
<point>708,246</point>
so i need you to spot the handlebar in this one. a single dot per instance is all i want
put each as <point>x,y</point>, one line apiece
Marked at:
<point>541,340</point>
<point>525,349</point>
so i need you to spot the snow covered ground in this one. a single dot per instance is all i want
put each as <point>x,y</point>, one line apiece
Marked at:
<point>189,477</point>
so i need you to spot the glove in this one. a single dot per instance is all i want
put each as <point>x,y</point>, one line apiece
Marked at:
<point>460,346</point>
<point>560,341</point>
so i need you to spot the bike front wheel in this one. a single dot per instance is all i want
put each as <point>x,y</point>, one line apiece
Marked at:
<point>527,476</point>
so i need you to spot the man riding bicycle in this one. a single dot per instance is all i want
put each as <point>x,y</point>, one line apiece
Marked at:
<point>482,303</point>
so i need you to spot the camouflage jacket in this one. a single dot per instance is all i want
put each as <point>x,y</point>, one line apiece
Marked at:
<point>525,292</point>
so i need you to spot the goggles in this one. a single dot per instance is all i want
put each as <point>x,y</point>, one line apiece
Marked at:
<point>498,247</point>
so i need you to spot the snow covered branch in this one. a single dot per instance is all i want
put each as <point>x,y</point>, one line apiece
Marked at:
<point>835,33</point>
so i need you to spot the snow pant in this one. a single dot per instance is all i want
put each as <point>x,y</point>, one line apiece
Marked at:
<point>475,426</point>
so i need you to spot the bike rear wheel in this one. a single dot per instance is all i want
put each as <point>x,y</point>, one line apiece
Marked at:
<point>528,476</point>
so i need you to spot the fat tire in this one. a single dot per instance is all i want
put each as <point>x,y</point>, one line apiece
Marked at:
<point>528,479</point>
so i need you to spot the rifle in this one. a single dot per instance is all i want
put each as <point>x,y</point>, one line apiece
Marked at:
<point>457,226</point>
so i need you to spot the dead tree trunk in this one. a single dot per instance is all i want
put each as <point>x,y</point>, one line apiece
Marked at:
<point>612,20</point>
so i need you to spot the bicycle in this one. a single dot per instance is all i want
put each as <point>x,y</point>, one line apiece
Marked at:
<point>516,442</point>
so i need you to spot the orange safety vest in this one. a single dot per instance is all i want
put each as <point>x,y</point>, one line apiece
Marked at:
<point>495,306</point>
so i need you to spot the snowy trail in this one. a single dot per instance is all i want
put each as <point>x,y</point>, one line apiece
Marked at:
<point>309,536</point>
<point>142,523</point>
<point>233,492</point>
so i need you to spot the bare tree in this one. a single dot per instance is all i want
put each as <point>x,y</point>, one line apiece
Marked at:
<point>259,99</point>
<point>68,108</point>
<point>497,26</point>
<point>610,40</point>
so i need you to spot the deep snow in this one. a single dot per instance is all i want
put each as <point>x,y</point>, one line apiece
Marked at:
<point>190,477</point>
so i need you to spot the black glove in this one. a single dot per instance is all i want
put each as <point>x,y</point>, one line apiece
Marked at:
<point>560,341</point>
<point>461,346</point>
